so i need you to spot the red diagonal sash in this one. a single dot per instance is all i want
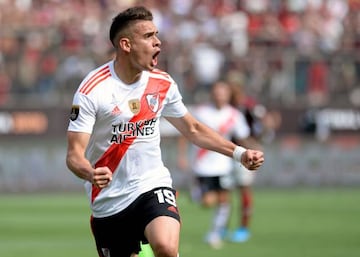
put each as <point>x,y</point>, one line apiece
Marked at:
<point>222,130</point>
<point>114,154</point>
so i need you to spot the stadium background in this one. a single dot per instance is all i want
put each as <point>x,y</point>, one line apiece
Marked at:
<point>298,60</point>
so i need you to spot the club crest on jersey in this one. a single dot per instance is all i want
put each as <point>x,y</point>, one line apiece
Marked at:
<point>153,101</point>
<point>134,105</point>
<point>74,114</point>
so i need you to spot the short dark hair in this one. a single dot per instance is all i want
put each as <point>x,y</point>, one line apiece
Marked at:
<point>123,19</point>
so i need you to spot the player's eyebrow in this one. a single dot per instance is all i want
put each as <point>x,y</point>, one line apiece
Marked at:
<point>151,33</point>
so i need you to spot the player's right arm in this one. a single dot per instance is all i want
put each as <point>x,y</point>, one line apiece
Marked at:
<point>79,165</point>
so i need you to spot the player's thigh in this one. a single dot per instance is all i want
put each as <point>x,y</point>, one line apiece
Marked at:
<point>162,221</point>
<point>209,199</point>
<point>223,196</point>
<point>210,188</point>
<point>163,232</point>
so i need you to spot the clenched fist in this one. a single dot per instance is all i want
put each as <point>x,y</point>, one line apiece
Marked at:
<point>252,159</point>
<point>101,177</point>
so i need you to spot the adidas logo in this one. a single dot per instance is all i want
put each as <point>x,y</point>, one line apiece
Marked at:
<point>116,110</point>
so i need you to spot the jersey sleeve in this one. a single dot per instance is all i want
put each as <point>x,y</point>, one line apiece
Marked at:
<point>175,106</point>
<point>83,114</point>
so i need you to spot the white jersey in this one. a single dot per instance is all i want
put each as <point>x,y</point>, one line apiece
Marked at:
<point>227,121</point>
<point>123,121</point>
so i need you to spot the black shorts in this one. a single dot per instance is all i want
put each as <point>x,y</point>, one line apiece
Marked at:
<point>207,184</point>
<point>119,235</point>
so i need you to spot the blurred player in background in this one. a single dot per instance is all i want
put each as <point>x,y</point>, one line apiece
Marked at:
<point>243,178</point>
<point>213,171</point>
<point>114,142</point>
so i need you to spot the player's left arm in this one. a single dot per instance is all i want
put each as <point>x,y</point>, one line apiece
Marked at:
<point>249,142</point>
<point>205,137</point>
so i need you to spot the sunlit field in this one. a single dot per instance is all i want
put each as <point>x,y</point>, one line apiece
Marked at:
<point>286,222</point>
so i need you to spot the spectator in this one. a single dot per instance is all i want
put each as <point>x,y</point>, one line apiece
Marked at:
<point>35,32</point>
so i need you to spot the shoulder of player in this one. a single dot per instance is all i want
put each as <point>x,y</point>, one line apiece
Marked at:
<point>202,109</point>
<point>160,74</point>
<point>94,78</point>
<point>233,111</point>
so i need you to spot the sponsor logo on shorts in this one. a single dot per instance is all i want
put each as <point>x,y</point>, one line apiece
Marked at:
<point>173,209</point>
<point>105,252</point>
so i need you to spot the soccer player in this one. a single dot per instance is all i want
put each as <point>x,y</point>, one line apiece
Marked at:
<point>212,170</point>
<point>114,142</point>
<point>242,177</point>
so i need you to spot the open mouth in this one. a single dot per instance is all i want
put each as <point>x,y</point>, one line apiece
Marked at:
<point>155,58</point>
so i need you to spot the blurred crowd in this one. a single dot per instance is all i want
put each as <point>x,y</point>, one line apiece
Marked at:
<point>279,52</point>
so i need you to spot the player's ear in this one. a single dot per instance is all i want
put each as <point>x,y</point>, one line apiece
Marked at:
<point>124,44</point>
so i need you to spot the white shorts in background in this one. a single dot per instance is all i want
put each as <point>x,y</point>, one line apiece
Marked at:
<point>240,176</point>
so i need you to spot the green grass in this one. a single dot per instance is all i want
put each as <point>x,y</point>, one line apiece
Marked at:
<point>299,222</point>
<point>45,225</point>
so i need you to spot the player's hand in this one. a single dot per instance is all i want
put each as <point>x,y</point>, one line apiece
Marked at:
<point>252,159</point>
<point>101,177</point>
